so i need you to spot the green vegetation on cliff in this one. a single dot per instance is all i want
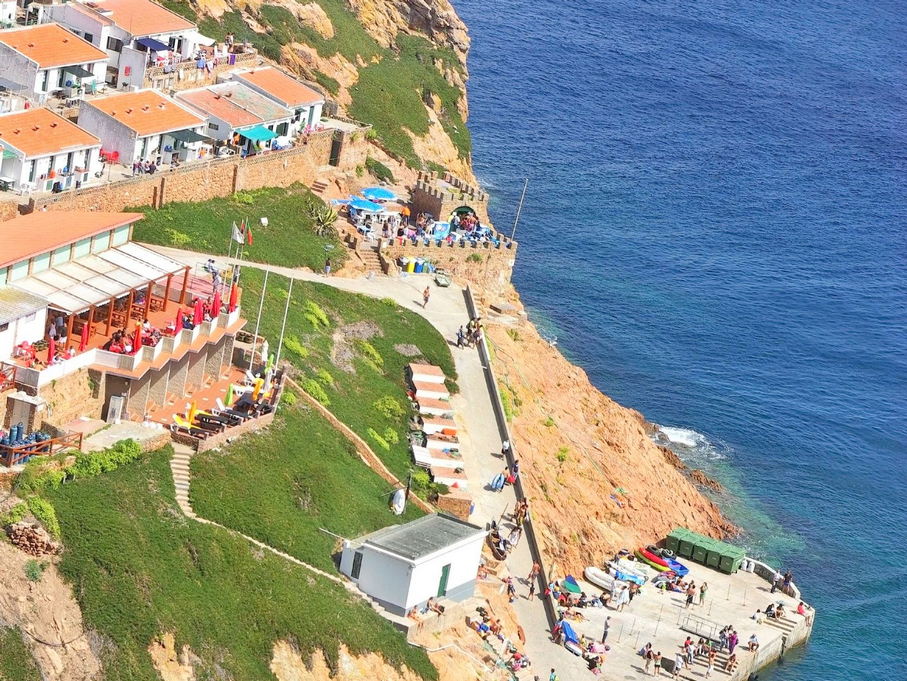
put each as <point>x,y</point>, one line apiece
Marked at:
<point>16,662</point>
<point>283,483</point>
<point>288,240</point>
<point>139,568</point>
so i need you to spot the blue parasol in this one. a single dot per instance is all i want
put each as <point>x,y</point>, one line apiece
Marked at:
<point>378,194</point>
<point>364,205</point>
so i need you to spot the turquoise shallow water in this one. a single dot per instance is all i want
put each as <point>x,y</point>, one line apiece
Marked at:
<point>716,229</point>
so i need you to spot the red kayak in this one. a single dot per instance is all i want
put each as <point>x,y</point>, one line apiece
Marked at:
<point>653,557</point>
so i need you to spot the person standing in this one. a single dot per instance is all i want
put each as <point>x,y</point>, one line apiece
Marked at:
<point>606,629</point>
<point>732,641</point>
<point>553,675</point>
<point>532,583</point>
<point>327,267</point>
<point>678,664</point>
<point>702,590</point>
<point>691,594</point>
<point>649,654</point>
<point>711,663</point>
<point>426,294</point>
<point>534,572</point>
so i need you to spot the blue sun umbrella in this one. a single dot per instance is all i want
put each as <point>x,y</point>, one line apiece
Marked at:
<point>364,205</point>
<point>378,194</point>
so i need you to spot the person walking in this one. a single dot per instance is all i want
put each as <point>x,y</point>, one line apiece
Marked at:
<point>327,267</point>
<point>710,667</point>
<point>534,572</point>
<point>678,665</point>
<point>426,294</point>
<point>553,675</point>
<point>511,590</point>
<point>702,590</point>
<point>532,583</point>
<point>649,654</point>
<point>606,629</point>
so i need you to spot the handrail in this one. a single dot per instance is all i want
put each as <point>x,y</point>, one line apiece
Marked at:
<point>13,455</point>
<point>504,431</point>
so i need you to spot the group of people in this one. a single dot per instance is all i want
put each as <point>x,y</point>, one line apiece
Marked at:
<point>783,582</point>
<point>151,167</point>
<point>471,335</point>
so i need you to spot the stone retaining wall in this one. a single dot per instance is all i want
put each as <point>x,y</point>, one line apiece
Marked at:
<point>220,439</point>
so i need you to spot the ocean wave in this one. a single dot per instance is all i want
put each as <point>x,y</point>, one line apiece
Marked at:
<point>689,444</point>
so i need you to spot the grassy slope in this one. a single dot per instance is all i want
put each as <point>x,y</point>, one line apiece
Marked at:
<point>16,663</point>
<point>352,395</point>
<point>284,483</point>
<point>287,240</point>
<point>140,568</point>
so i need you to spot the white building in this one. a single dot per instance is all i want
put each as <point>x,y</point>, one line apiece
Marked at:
<point>239,115</point>
<point>305,103</point>
<point>45,152</point>
<point>402,566</point>
<point>23,317</point>
<point>144,125</point>
<point>7,13</point>
<point>37,60</point>
<point>135,34</point>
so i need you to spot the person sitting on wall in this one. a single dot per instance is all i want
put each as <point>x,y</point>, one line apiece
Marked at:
<point>187,322</point>
<point>434,606</point>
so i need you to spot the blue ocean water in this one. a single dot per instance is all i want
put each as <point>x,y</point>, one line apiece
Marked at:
<point>716,229</point>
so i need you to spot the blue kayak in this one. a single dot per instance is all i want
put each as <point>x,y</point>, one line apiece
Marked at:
<point>679,569</point>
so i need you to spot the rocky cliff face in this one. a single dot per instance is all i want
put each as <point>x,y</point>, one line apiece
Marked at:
<point>596,480</point>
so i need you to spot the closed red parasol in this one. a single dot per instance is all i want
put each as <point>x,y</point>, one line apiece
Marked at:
<point>51,349</point>
<point>83,342</point>
<point>178,324</point>
<point>199,315</point>
<point>234,294</point>
<point>215,305</point>
<point>137,339</point>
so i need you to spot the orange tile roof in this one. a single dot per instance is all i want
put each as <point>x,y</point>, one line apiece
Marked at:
<point>280,86</point>
<point>219,106</point>
<point>40,232</point>
<point>39,132</point>
<point>143,17</point>
<point>146,112</point>
<point>51,45</point>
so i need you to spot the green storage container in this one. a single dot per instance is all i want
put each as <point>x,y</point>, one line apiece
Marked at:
<point>671,542</point>
<point>699,553</point>
<point>717,554</point>
<point>685,548</point>
<point>712,558</point>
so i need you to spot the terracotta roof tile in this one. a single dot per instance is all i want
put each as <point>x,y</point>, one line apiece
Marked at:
<point>143,17</point>
<point>51,45</point>
<point>280,86</point>
<point>40,232</point>
<point>39,132</point>
<point>236,103</point>
<point>146,112</point>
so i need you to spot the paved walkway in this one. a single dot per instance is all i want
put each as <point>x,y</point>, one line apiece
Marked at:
<point>481,442</point>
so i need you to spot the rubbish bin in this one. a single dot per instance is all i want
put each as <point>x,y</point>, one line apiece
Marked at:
<point>411,265</point>
<point>420,265</point>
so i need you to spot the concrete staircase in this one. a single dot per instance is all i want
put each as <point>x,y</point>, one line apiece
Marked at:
<point>179,466</point>
<point>318,187</point>
<point>369,257</point>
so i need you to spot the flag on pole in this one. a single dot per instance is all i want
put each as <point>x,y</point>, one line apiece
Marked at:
<point>237,234</point>
<point>249,234</point>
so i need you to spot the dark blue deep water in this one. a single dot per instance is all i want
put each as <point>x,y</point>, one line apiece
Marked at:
<point>716,229</point>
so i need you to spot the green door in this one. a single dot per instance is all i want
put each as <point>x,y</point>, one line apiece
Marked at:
<point>442,583</point>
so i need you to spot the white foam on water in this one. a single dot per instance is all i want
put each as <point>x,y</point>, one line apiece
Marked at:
<point>682,436</point>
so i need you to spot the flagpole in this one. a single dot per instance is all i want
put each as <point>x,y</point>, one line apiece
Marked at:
<point>230,242</point>
<point>261,304</point>
<point>283,326</point>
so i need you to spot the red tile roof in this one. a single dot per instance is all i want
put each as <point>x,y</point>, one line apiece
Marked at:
<point>280,86</point>
<point>39,132</point>
<point>146,112</point>
<point>40,232</point>
<point>143,17</point>
<point>51,45</point>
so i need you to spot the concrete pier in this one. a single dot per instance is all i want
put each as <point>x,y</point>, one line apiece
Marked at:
<point>661,618</point>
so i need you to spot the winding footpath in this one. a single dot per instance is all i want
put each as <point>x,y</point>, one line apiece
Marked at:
<point>479,436</point>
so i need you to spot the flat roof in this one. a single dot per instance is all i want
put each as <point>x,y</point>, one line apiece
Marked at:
<point>422,537</point>
<point>51,45</point>
<point>280,86</point>
<point>40,132</point>
<point>236,103</point>
<point>78,284</point>
<point>15,304</point>
<point>42,231</point>
<point>426,369</point>
<point>142,17</point>
<point>146,112</point>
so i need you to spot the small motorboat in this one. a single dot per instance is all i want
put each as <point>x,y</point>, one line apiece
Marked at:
<point>599,578</point>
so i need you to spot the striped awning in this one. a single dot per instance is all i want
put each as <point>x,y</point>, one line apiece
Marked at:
<point>77,285</point>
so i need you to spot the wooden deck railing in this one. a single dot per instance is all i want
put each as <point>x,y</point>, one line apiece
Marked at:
<point>12,456</point>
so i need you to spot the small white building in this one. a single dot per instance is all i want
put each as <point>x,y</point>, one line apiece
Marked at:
<point>402,566</point>
<point>43,151</point>
<point>426,373</point>
<point>239,115</point>
<point>144,125</point>
<point>135,35</point>
<point>305,103</point>
<point>37,60</point>
<point>7,13</point>
<point>23,317</point>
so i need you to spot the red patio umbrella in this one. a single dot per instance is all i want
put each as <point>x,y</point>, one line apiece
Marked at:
<point>199,315</point>
<point>178,324</point>
<point>137,339</point>
<point>215,305</point>
<point>233,296</point>
<point>83,342</point>
<point>51,349</point>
